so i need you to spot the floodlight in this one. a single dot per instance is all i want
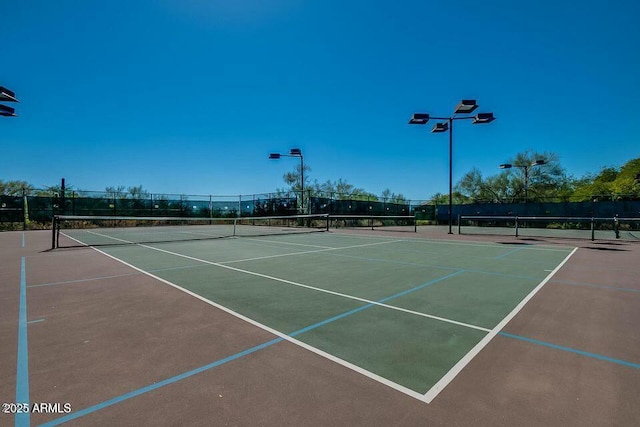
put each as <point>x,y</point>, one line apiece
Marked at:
<point>7,111</point>
<point>467,106</point>
<point>296,152</point>
<point>419,119</point>
<point>538,162</point>
<point>506,166</point>
<point>274,156</point>
<point>440,127</point>
<point>7,95</point>
<point>483,118</point>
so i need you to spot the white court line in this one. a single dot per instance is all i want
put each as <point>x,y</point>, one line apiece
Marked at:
<point>326,291</point>
<point>458,242</point>
<point>453,372</point>
<point>220,264</point>
<point>306,252</point>
<point>426,253</point>
<point>295,244</point>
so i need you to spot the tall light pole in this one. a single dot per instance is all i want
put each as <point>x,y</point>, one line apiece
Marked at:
<point>466,106</point>
<point>526,168</point>
<point>294,152</point>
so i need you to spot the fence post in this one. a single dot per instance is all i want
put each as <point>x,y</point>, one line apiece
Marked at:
<point>593,232</point>
<point>25,209</point>
<point>53,231</point>
<point>516,225</point>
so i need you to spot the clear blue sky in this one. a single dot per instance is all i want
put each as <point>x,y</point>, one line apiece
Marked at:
<point>190,96</point>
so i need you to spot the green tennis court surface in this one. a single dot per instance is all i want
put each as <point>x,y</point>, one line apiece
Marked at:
<point>402,311</point>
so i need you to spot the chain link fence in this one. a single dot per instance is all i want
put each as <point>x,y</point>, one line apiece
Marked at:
<point>35,211</point>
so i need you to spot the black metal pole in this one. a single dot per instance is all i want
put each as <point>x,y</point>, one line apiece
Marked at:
<point>25,209</point>
<point>301,184</point>
<point>63,200</point>
<point>526,184</point>
<point>450,173</point>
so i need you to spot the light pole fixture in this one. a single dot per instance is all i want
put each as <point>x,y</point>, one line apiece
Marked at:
<point>466,106</point>
<point>526,168</point>
<point>294,152</point>
<point>8,96</point>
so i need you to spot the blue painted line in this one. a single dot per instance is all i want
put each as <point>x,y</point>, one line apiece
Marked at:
<point>35,321</point>
<point>508,253</point>
<point>424,285</point>
<point>382,301</point>
<point>592,285</point>
<point>417,264</point>
<point>22,374</point>
<point>159,384</point>
<point>572,350</point>
<point>188,374</point>
<point>329,320</point>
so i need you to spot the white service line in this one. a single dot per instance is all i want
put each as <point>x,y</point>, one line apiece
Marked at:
<point>294,244</point>
<point>326,291</point>
<point>301,285</point>
<point>304,252</point>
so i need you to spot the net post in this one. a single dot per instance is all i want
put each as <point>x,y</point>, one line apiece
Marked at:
<point>57,232</point>
<point>516,225</point>
<point>459,223</point>
<point>415,224</point>
<point>327,222</point>
<point>593,232</point>
<point>53,232</point>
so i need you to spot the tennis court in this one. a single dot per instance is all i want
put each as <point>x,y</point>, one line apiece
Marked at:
<point>398,314</point>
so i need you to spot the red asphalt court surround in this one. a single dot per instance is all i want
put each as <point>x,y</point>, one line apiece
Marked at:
<point>111,330</point>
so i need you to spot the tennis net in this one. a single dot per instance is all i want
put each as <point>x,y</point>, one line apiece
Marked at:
<point>374,222</point>
<point>552,227</point>
<point>69,230</point>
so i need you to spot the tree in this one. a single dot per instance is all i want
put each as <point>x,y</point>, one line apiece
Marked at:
<point>116,192</point>
<point>15,188</point>
<point>611,183</point>
<point>440,199</point>
<point>340,189</point>
<point>138,193</point>
<point>536,182</point>
<point>390,197</point>
<point>293,178</point>
<point>474,188</point>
